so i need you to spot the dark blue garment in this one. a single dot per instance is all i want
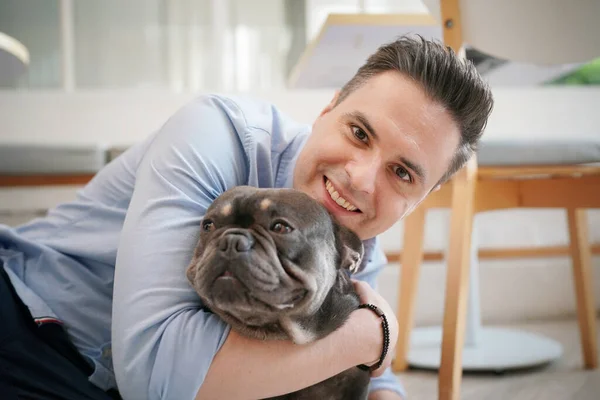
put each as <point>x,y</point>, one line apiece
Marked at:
<point>37,360</point>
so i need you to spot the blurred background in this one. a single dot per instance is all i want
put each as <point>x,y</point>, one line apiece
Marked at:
<point>86,79</point>
<point>204,45</point>
<point>82,80</point>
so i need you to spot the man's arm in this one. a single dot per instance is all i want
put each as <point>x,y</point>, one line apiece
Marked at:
<point>164,344</point>
<point>250,369</point>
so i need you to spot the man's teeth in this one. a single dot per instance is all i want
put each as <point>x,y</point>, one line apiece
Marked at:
<point>339,199</point>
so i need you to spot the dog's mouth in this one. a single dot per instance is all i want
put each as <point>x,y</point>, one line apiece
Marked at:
<point>232,289</point>
<point>226,275</point>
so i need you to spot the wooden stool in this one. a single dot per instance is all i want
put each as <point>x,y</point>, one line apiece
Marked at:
<point>574,188</point>
<point>508,30</point>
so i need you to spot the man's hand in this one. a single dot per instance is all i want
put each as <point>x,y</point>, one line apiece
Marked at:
<point>368,295</point>
<point>384,395</point>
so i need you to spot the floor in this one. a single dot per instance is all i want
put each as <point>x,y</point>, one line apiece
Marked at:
<point>563,379</point>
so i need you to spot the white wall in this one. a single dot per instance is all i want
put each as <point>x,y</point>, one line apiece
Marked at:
<point>115,117</point>
<point>510,289</point>
<point>126,116</point>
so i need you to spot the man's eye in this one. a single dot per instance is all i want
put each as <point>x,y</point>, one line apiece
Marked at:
<point>402,173</point>
<point>281,227</point>
<point>360,134</point>
<point>208,226</point>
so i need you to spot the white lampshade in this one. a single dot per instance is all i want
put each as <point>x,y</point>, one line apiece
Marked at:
<point>534,31</point>
<point>14,59</point>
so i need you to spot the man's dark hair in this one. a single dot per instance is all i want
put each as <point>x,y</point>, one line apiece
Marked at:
<point>446,78</point>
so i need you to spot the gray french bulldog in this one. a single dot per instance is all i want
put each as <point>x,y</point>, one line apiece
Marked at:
<point>274,264</point>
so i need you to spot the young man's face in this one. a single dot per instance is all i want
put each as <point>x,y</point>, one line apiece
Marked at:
<point>382,149</point>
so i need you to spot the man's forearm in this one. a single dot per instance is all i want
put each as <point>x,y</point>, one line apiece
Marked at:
<point>250,369</point>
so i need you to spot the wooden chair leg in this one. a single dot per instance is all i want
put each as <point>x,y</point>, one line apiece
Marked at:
<point>410,266</point>
<point>581,256</point>
<point>457,281</point>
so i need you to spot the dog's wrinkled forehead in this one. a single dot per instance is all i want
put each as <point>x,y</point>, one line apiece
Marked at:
<point>242,204</point>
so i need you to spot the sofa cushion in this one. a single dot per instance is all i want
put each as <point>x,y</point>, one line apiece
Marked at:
<point>27,159</point>
<point>544,152</point>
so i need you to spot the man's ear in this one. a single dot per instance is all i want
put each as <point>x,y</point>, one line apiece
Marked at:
<point>350,248</point>
<point>331,104</point>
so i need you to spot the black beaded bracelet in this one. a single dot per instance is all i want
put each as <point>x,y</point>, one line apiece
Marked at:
<point>386,337</point>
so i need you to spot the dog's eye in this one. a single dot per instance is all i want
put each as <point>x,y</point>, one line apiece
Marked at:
<point>208,226</point>
<point>281,227</point>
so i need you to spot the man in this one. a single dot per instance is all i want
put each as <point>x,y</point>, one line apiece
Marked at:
<point>408,120</point>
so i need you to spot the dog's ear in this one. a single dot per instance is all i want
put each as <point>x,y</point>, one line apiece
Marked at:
<point>349,247</point>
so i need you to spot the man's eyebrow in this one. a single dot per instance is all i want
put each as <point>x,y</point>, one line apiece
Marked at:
<point>416,168</point>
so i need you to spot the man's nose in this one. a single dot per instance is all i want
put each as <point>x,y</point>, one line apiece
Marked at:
<point>363,173</point>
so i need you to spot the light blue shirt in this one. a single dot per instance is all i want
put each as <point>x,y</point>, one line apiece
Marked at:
<point>136,225</point>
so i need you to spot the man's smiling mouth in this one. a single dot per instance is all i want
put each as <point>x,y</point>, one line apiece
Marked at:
<point>335,196</point>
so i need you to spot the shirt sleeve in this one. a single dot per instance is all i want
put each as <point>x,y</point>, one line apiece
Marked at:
<point>375,263</point>
<point>163,342</point>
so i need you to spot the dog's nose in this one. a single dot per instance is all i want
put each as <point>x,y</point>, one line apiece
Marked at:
<point>237,242</point>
